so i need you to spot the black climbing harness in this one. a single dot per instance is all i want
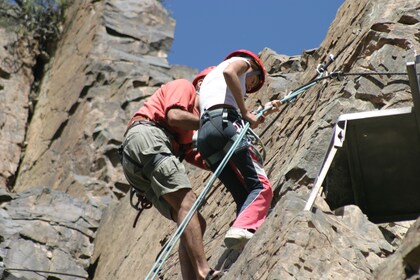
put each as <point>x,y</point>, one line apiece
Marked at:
<point>251,139</point>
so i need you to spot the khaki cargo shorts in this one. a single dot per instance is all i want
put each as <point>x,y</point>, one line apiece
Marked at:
<point>150,148</point>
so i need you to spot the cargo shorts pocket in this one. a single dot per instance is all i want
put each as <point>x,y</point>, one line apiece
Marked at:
<point>169,176</point>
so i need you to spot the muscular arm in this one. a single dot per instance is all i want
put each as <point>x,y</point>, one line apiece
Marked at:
<point>182,119</point>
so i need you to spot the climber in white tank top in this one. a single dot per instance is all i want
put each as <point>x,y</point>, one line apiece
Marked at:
<point>222,108</point>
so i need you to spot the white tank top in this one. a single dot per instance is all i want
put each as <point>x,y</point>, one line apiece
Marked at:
<point>214,89</point>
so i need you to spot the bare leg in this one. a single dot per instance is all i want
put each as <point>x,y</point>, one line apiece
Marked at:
<point>187,269</point>
<point>191,239</point>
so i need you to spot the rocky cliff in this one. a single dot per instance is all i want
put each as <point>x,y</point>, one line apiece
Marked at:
<point>64,210</point>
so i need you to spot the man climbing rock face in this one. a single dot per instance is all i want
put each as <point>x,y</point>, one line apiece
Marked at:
<point>158,137</point>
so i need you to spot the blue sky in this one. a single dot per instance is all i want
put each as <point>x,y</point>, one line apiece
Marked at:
<point>206,31</point>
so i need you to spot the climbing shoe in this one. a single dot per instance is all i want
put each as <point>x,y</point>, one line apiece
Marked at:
<point>236,238</point>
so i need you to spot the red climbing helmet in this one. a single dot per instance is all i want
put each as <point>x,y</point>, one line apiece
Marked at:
<point>202,74</point>
<point>246,53</point>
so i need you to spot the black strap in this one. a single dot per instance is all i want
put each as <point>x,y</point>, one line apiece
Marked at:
<point>149,166</point>
<point>151,123</point>
<point>142,203</point>
<point>226,113</point>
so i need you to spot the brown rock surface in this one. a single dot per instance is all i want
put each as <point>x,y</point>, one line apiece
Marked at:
<point>16,78</point>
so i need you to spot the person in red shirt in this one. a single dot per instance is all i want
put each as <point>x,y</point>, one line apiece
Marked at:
<point>158,138</point>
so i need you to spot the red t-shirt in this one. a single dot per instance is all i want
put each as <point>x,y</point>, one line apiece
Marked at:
<point>175,94</point>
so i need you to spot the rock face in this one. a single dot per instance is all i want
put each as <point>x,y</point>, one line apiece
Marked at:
<point>47,230</point>
<point>16,78</point>
<point>69,212</point>
<point>98,75</point>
